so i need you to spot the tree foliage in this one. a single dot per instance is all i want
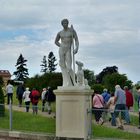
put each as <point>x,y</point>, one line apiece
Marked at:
<point>110,80</point>
<point>51,62</point>
<point>44,66</point>
<point>89,75</point>
<point>98,88</point>
<point>106,71</point>
<point>41,81</point>
<point>22,72</point>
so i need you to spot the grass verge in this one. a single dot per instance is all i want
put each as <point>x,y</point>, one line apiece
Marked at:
<point>105,132</point>
<point>28,122</point>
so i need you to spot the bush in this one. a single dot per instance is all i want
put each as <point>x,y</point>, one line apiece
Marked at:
<point>2,108</point>
<point>41,81</point>
<point>98,88</point>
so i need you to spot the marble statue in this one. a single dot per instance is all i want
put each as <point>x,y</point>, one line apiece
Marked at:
<point>80,74</point>
<point>81,81</point>
<point>68,43</point>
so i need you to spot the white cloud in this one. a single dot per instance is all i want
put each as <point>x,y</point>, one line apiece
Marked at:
<point>108,31</point>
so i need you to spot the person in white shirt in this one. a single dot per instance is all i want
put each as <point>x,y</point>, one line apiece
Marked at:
<point>26,97</point>
<point>9,92</point>
<point>43,98</point>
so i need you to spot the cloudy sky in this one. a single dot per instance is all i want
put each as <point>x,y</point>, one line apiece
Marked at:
<point>108,31</point>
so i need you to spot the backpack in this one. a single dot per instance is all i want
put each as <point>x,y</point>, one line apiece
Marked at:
<point>50,96</point>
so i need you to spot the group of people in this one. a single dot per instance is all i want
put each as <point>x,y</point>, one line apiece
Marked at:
<point>31,96</point>
<point>113,104</point>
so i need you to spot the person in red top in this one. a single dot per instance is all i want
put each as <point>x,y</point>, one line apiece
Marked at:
<point>35,95</point>
<point>129,98</point>
<point>129,103</point>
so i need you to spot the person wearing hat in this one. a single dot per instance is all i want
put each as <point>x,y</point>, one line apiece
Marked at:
<point>26,98</point>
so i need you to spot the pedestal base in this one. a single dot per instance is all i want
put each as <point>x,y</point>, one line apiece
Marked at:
<point>72,117</point>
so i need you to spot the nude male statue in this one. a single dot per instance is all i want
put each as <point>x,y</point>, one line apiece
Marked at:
<point>64,40</point>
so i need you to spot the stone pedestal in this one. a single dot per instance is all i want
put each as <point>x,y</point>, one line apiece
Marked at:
<point>72,117</point>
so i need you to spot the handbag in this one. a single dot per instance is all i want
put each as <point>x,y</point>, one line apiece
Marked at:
<point>104,105</point>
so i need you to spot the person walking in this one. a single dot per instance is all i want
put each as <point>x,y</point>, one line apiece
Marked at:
<point>43,98</point>
<point>35,95</point>
<point>26,97</point>
<point>19,93</point>
<point>129,103</point>
<point>111,107</point>
<point>106,96</point>
<point>97,106</point>
<point>120,105</point>
<point>129,97</point>
<point>50,97</point>
<point>9,92</point>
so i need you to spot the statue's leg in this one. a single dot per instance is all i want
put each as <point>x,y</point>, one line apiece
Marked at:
<point>69,69</point>
<point>66,78</point>
<point>62,63</point>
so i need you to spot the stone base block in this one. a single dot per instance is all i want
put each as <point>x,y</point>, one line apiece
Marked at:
<point>72,117</point>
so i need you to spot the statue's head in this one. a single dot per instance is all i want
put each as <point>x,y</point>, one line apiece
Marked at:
<point>80,64</point>
<point>65,21</point>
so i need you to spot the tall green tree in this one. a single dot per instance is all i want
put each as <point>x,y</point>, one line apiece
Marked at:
<point>110,80</point>
<point>51,62</point>
<point>52,80</point>
<point>21,73</point>
<point>106,71</point>
<point>44,66</point>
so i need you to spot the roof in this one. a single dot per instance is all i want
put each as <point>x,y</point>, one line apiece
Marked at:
<point>5,73</point>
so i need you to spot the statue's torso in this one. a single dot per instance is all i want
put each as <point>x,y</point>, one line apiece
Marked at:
<point>66,38</point>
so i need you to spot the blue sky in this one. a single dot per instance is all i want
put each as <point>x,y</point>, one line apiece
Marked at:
<point>108,31</point>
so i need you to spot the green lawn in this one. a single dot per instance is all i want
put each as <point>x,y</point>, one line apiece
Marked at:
<point>23,121</point>
<point>105,132</point>
<point>28,122</point>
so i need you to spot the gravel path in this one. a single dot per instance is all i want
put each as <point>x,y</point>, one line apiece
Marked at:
<point>127,128</point>
<point>22,109</point>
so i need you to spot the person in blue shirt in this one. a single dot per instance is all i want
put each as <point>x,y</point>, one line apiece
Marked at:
<point>106,95</point>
